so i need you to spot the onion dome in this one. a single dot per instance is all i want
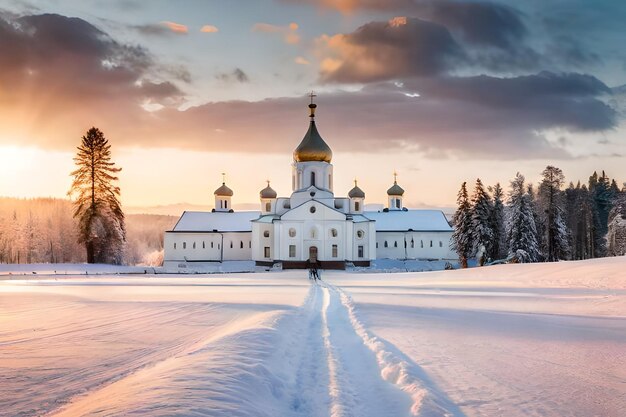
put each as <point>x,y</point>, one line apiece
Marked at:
<point>268,192</point>
<point>224,191</point>
<point>395,188</point>
<point>356,192</point>
<point>312,147</point>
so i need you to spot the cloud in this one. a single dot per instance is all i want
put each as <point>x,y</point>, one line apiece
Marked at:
<point>65,72</point>
<point>209,29</point>
<point>176,27</point>
<point>236,75</point>
<point>288,32</point>
<point>467,117</point>
<point>152,29</point>
<point>301,60</point>
<point>400,47</point>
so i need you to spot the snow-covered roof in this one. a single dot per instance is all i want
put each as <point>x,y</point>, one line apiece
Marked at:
<point>204,221</point>
<point>417,220</point>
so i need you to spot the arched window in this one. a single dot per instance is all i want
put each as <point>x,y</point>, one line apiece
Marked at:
<point>440,244</point>
<point>225,204</point>
<point>431,243</point>
<point>194,245</point>
<point>241,245</point>
<point>333,232</point>
<point>313,233</point>
<point>312,177</point>
<point>386,244</point>
<point>266,233</point>
<point>221,204</point>
<point>250,245</point>
<point>412,243</point>
<point>292,232</point>
<point>231,244</point>
<point>174,245</point>
<point>421,243</point>
<point>268,206</point>
<point>357,206</point>
<point>397,203</point>
<point>203,247</point>
<point>395,244</point>
<point>211,245</point>
<point>184,245</point>
<point>376,245</point>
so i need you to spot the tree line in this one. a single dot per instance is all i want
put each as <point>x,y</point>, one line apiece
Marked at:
<point>548,223</point>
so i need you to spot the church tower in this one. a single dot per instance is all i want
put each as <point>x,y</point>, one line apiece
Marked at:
<point>311,159</point>
<point>268,199</point>
<point>394,195</point>
<point>223,196</point>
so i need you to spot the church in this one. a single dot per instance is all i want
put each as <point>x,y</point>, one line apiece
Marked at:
<point>311,224</point>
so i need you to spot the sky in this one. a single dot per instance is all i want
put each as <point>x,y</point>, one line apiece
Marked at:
<point>440,91</point>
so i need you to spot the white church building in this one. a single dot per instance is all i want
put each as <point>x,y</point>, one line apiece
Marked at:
<point>311,224</point>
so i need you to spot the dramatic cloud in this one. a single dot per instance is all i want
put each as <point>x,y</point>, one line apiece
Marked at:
<point>55,69</point>
<point>209,29</point>
<point>289,32</point>
<point>236,75</point>
<point>477,117</point>
<point>401,47</point>
<point>176,27</point>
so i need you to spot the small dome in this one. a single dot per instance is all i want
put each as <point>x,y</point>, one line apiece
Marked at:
<point>395,190</point>
<point>356,192</point>
<point>224,191</point>
<point>312,147</point>
<point>268,192</point>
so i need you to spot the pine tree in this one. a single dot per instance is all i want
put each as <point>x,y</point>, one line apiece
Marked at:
<point>461,241</point>
<point>97,207</point>
<point>482,233</point>
<point>498,248</point>
<point>521,232</point>
<point>539,224</point>
<point>555,236</point>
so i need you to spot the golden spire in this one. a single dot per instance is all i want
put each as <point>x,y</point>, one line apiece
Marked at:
<point>223,178</point>
<point>312,106</point>
<point>395,177</point>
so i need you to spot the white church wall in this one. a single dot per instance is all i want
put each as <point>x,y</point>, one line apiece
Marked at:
<point>414,245</point>
<point>237,246</point>
<point>263,237</point>
<point>192,246</point>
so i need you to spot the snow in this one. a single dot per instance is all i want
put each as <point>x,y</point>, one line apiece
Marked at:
<point>202,221</point>
<point>514,340</point>
<point>417,220</point>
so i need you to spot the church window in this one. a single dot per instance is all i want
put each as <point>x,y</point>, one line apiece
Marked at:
<point>360,234</point>
<point>334,251</point>
<point>231,244</point>
<point>357,206</point>
<point>431,243</point>
<point>266,251</point>
<point>241,245</point>
<point>211,245</point>
<point>218,245</point>
<point>250,245</point>
<point>360,251</point>
<point>203,247</point>
<point>440,244</point>
<point>412,243</point>
<point>405,244</point>
<point>194,245</point>
<point>397,203</point>
<point>421,243</point>
<point>268,206</point>
<point>292,232</point>
<point>386,244</point>
<point>333,232</point>
<point>292,251</point>
<point>312,193</point>
<point>395,244</point>
<point>174,245</point>
<point>312,209</point>
<point>312,178</point>
<point>184,245</point>
<point>225,204</point>
<point>376,245</point>
<point>266,233</point>
<point>313,233</point>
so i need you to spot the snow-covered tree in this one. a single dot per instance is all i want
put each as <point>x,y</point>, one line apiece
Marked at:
<point>97,206</point>
<point>461,241</point>
<point>555,238</point>
<point>482,233</point>
<point>539,224</point>
<point>498,247</point>
<point>521,232</point>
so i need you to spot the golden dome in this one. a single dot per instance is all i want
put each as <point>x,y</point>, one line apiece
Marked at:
<point>312,147</point>
<point>268,192</point>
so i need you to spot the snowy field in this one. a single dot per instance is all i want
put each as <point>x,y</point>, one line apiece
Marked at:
<point>509,340</point>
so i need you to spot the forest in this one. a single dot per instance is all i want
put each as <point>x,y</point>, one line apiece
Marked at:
<point>543,223</point>
<point>42,230</point>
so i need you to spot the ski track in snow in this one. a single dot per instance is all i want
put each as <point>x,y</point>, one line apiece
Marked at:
<point>289,347</point>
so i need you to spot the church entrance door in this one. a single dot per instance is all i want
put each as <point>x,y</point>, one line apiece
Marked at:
<point>313,254</point>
